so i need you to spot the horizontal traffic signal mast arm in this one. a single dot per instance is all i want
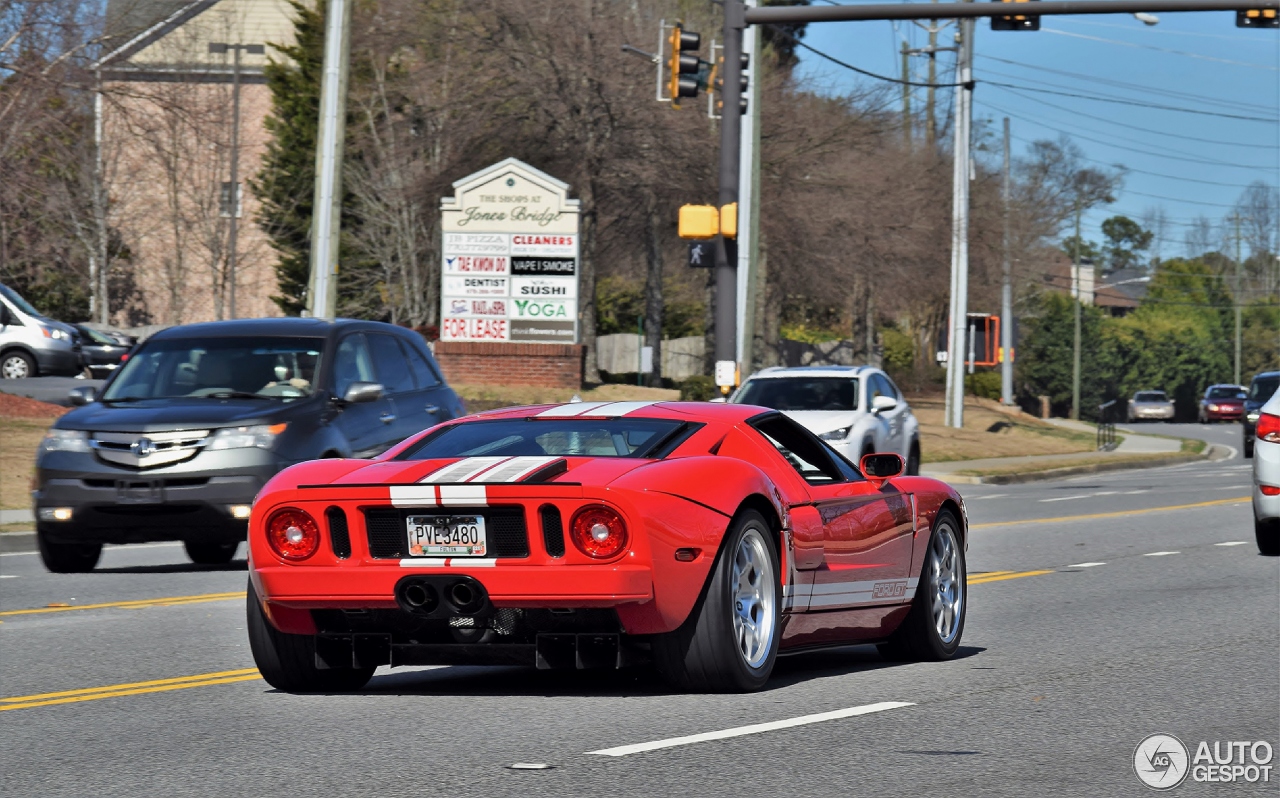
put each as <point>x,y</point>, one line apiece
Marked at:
<point>851,13</point>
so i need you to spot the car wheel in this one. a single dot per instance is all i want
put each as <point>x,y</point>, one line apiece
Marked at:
<point>729,643</point>
<point>288,662</point>
<point>913,460</point>
<point>68,558</point>
<point>933,627</point>
<point>203,552</point>
<point>17,366</point>
<point>1268,536</point>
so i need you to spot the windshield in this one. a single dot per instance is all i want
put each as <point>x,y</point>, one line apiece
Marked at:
<point>22,304</point>
<point>1263,388</point>
<point>1226,392</point>
<point>801,393</point>
<point>606,437</point>
<point>248,368</point>
<point>1150,396</point>
<point>96,337</point>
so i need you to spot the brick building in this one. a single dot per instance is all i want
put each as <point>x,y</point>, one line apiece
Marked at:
<point>166,115</point>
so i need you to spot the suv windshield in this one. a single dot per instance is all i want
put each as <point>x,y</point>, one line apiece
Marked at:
<point>1263,388</point>
<point>1150,396</point>
<point>249,368</point>
<point>606,437</point>
<point>801,393</point>
<point>1225,392</point>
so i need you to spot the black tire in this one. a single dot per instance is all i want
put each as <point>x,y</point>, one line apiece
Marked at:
<point>17,365</point>
<point>918,638</point>
<point>203,552</point>
<point>288,662</point>
<point>68,558</point>
<point>704,654</point>
<point>913,460</point>
<point>1267,534</point>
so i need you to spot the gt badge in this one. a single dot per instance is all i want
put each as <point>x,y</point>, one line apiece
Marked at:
<point>883,590</point>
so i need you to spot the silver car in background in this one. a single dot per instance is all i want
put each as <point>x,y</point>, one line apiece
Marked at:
<point>1150,406</point>
<point>33,345</point>
<point>1266,478</point>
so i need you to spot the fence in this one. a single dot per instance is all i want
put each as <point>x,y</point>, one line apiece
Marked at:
<point>681,357</point>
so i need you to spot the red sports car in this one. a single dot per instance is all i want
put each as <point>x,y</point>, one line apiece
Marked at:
<point>704,538</point>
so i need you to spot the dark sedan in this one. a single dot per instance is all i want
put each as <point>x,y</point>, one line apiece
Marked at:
<point>102,352</point>
<point>1222,403</point>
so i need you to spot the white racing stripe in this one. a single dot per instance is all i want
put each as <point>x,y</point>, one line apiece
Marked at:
<point>463,495</point>
<point>414,496</point>
<point>515,469</point>
<point>756,728</point>
<point>569,410</point>
<point>447,562</point>
<point>464,470</point>
<point>849,594</point>
<point>613,409</point>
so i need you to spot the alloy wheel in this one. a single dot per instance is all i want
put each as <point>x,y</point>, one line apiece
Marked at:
<point>14,368</point>
<point>946,583</point>
<point>753,599</point>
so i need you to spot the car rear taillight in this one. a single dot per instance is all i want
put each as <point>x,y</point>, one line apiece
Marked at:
<point>293,534</point>
<point>598,532</point>
<point>1268,428</point>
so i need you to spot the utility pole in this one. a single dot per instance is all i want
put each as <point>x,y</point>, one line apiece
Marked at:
<point>1236,297</point>
<point>99,309</point>
<point>906,95</point>
<point>1075,347</point>
<point>326,225</point>
<point>1006,291</point>
<point>253,49</point>
<point>930,123</point>
<point>749,202</point>
<point>726,249</point>
<point>960,228</point>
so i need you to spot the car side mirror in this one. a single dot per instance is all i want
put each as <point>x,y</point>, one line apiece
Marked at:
<point>82,396</point>
<point>361,392</point>
<point>881,466</point>
<point>883,403</point>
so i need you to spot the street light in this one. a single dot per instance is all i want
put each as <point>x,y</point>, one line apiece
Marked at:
<point>221,48</point>
<point>1146,19</point>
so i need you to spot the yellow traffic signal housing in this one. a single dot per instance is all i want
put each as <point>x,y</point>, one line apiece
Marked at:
<point>1257,18</point>
<point>699,221</point>
<point>1019,22</point>
<point>729,220</point>
<point>683,64</point>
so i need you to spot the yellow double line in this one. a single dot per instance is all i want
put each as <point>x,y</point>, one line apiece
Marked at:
<point>1000,576</point>
<point>166,601</point>
<point>131,688</point>
<point>1115,514</point>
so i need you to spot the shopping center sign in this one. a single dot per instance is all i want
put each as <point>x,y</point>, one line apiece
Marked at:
<point>509,260</point>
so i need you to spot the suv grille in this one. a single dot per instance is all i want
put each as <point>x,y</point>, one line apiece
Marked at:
<point>148,449</point>
<point>505,530</point>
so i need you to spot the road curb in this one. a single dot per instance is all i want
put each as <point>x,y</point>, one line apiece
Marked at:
<point>1213,452</point>
<point>17,541</point>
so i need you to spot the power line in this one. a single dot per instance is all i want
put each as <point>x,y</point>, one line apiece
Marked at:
<point>1159,49</point>
<point>1163,31</point>
<point>859,70</point>
<point>1132,102</point>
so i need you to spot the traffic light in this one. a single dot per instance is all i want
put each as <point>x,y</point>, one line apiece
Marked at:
<point>684,64</point>
<point>744,81</point>
<point>1257,18</point>
<point>699,222</point>
<point>1017,22</point>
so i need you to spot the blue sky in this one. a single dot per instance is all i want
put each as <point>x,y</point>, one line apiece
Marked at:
<point>1198,61</point>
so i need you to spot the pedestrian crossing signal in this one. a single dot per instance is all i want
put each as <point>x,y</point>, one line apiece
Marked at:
<point>1017,22</point>
<point>1257,18</point>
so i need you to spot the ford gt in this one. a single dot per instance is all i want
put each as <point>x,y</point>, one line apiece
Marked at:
<point>704,539</point>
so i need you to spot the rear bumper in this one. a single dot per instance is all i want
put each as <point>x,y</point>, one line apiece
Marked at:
<point>1164,413</point>
<point>1224,415</point>
<point>366,586</point>
<point>1266,471</point>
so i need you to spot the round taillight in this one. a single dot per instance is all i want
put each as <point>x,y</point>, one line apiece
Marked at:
<point>293,534</point>
<point>598,532</point>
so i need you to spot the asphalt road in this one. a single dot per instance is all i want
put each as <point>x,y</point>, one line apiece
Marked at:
<point>53,390</point>
<point>1133,603</point>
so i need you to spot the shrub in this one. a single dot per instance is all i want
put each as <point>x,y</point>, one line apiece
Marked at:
<point>698,388</point>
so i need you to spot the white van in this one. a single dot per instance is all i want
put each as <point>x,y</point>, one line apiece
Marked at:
<point>33,345</point>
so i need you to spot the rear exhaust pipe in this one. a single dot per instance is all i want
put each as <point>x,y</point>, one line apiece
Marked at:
<point>465,598</point>
<point>420,597</point>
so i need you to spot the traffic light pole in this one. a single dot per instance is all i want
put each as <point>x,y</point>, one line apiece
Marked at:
<point>726,254</point>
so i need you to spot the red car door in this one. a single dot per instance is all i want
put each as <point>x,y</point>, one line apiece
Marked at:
<point>867,532</point>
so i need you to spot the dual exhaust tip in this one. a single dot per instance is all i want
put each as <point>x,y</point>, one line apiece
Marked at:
<point>442,596</point>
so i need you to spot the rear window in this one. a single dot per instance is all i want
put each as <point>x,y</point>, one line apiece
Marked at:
<point>801,393</point>
<point>1226,392</point>
<point>571,437</point>
<point>1150,396</point>
<point>1263,388</point>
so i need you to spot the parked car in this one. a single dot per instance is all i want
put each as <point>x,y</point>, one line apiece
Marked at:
<point>102,352</point>
<point>856,409</point>
<point>1222,403</point>
<point>184,435</point>
<point>1261,389</point>
<point>1147,405</point>
<point>33,345</point>
<point>1266,478</point>
<point>707,538</point>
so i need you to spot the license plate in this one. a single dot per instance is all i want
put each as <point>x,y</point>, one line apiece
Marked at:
<point>446,536</point>
<point>138,492</point>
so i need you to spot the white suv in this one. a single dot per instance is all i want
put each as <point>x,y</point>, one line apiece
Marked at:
<point>856,409</point>
<point>1266,478</point>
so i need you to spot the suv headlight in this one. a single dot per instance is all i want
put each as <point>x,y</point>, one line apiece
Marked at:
<point>65,440</point>
<point>55,333</point>
<point>260,436</point>
<point>836,434</point>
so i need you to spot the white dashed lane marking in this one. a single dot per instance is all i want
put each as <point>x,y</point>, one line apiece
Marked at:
<point>1160,553</point>
<point>1233,543</point>
<point>1086,565</point>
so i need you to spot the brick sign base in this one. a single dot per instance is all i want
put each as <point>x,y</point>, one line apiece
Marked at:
<point>542,365</point>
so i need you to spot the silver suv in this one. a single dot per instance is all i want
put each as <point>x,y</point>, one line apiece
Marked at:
<point>32,345</point>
